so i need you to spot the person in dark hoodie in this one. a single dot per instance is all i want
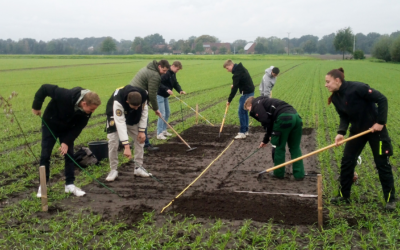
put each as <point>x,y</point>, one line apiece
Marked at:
<point>168,83</point>
<point>67,114</point>
<point>283,125</point>
<point>241,81</point>
<point>126,116</point>
<point>355,102</point>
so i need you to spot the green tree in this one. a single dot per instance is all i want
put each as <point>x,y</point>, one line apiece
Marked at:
<point>310,46</point>
<point>381,49</point>
<point>223,50</point>
<point>321,49</point>
<point>259,49</point>
<point>395,50</point>
<point>199,47</point>
<point>206,39</point>
<point>154,39</point>
<point>344,40</point>
<point>108,45</point>
<point>358,55</point>
<point>214,48</point>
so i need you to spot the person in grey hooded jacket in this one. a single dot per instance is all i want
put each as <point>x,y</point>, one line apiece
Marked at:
<point>268,81</point>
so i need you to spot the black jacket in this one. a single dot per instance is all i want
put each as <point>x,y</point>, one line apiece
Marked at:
<point>60,113</point>
<point>355,104</point>
<point>168,82</point>
<point>132,116</point>
<point>241,80</point>
<point>266,110</point>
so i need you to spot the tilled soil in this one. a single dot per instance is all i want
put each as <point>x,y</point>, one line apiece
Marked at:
<point>215,194</point>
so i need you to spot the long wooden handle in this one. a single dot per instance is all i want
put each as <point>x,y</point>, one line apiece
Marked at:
<point>174,131</point>
<point>223,120</point>
<point>318,151</point>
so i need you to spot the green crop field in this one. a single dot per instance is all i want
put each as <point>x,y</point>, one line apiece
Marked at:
<point>301,84</point>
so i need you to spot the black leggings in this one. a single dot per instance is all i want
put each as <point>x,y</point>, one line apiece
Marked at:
<point>381,148</point>
<point>48,143</point>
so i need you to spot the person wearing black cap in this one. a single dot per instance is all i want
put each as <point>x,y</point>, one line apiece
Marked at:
<point>268,81</point>
<point>126,116</point>
<point>355,102</point>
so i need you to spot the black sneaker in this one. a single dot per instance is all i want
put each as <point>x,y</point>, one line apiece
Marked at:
<point>339,199</point>
<point>151,148</point>
<point>271,174</point>
<point>391,206</point>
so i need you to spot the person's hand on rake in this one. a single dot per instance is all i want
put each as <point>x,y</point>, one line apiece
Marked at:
<point>63,149</point>
<point>182,93</point>
<point>158,113</point>
<point>170,92</point>
<point>376,127</point>
<point>262,145</point>
<point>37,112</point>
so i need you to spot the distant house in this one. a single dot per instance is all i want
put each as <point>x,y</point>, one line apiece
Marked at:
<point>209,46</point>
<point>249,48</point>
<point>177,52</point>
<point>90,49</point>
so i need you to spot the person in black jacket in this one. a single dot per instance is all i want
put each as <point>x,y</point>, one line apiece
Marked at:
<point>355,102</point>
<point>168,82</point>
<point>283,125</point>
<point>67,114</point>
<point>242,81</point>
<point>127,114</point>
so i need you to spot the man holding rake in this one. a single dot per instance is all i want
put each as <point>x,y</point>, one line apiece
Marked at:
<point>242,81</point>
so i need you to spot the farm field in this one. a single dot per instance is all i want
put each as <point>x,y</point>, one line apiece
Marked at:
<point>211,214</point>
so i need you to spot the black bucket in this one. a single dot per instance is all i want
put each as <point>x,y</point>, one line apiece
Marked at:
<point>99,149</point>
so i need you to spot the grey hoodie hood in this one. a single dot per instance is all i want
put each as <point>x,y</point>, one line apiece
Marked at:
<point>267,83</point>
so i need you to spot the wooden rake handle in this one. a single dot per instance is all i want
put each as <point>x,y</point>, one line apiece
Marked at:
<point>174,131</point>
<point>223,120</point>
<point>316,151</point>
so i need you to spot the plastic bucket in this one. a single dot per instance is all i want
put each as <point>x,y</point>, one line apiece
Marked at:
<point>99,149</point>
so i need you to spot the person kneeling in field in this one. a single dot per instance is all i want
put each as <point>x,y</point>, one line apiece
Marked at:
<point>168,82</point>
<point>283,125</point>
<point>126,115</point>
<point>67,114</point>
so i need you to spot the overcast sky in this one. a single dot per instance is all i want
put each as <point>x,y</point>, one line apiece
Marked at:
<point>176,19</point>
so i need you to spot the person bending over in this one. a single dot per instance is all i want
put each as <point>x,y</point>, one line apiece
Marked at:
<point>67,114</point>
<point>283,125</point>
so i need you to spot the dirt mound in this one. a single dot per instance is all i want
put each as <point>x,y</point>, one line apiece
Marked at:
<point>215,193</point>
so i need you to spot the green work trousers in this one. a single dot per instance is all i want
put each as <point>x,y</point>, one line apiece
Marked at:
<point>287,129</point>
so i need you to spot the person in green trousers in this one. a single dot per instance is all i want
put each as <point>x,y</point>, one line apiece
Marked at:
<point>283,125</point>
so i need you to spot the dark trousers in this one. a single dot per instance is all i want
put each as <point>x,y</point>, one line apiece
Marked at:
<point>381,148</point>
<point>48,143</point>
<point>147,142</point>
<point>288,130</point>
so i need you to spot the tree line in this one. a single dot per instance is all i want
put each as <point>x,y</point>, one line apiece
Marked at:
<point>380,46</point>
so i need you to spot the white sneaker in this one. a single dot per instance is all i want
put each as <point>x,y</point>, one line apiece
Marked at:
<point>240,136</point>
<point>39,192</point>
<point>112,175</point>
<point>139,171</point>
<point>75,190</point>
<point>165,132</point>
<point>161,137</point>
<point>247,133</point>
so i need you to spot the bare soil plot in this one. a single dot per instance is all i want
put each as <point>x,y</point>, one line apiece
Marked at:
<point>214,195</point>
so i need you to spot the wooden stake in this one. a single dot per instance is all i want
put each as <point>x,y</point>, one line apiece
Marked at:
<point>43,187</point>
<point>320,208</point>
<point>197,112</point>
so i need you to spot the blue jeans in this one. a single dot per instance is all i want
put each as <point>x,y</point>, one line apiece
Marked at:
<point>244,114</point>
<point>163,106</point>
